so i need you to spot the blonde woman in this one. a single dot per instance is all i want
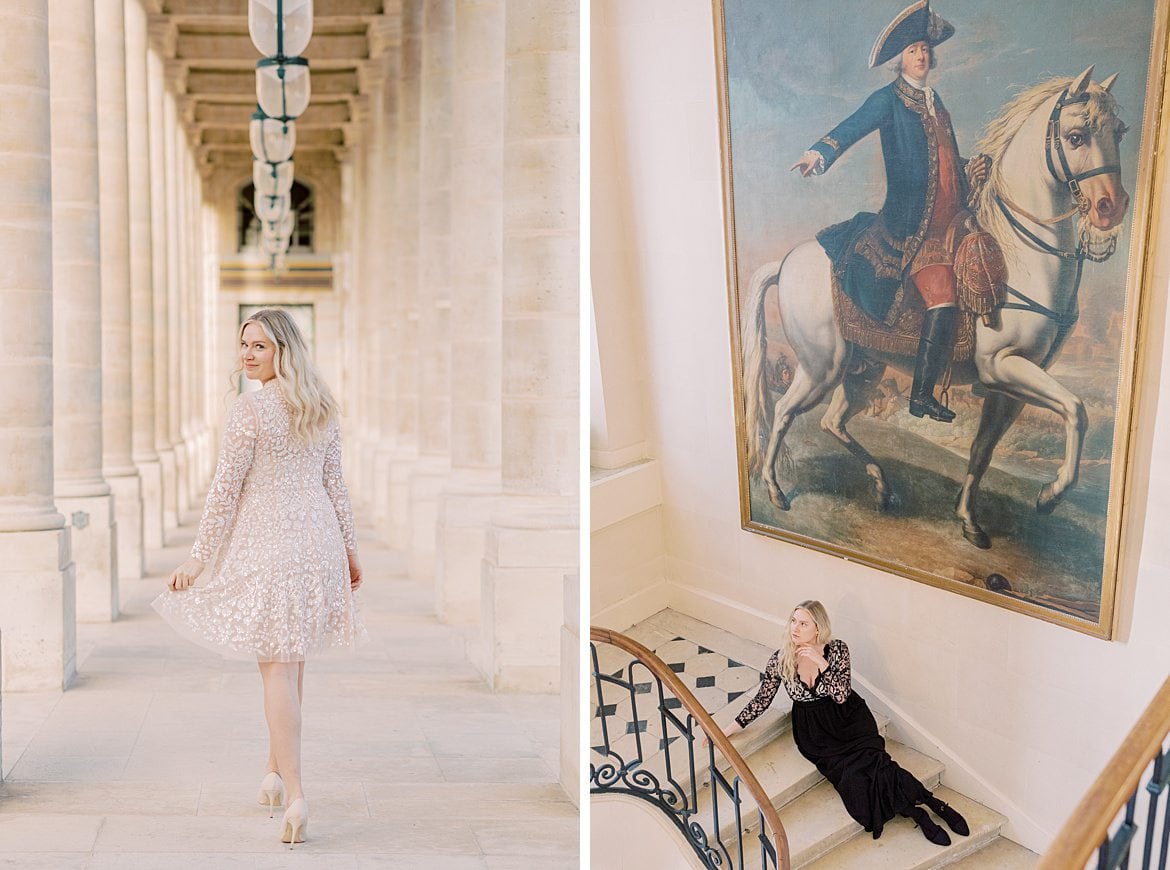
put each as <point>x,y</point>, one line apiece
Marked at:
<point>834,729</point>
<point>275,545</point>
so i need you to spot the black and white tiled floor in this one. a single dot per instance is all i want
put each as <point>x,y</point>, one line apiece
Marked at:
<point>715,678</point>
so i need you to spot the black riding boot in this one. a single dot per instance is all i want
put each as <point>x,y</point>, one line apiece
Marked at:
<point>934,351</point>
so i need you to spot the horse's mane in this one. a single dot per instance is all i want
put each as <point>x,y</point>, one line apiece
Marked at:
<point>1101,110</point>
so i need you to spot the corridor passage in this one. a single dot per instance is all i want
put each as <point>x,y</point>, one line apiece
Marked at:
<point>154,755</point>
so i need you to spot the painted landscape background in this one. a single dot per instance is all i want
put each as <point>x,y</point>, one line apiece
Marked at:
<point>793,74</point>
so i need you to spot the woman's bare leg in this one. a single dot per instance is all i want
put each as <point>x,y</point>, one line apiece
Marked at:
<point>273,764</point>
<point>282,709</point>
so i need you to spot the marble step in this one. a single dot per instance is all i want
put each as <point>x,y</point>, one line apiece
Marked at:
<point>902,846</point>
<point>816,822</point>
<point>999,854</point>
<point>783,772</point>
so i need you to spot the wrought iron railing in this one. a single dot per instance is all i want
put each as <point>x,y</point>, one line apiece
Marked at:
<point>1113,802</point>
<point>660,766</point>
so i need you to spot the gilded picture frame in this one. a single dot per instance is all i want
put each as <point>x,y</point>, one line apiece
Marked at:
<point>1009,177</point>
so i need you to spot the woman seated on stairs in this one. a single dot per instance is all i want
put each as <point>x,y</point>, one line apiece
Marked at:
<point>834,729</point>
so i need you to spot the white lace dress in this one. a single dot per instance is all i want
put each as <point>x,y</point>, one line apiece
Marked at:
<point>279,524</point>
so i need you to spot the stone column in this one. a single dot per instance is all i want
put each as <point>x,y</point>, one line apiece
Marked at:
<point>117,462</point>
<point>83,495</point>
<point>570,772</point>
<point>477,153</point>
<point>367,287</point>
<point>532,541</point>
<point>434,285</point>
<point>161,253</point>
<point>176,334</point>
<point>37,619</point>
<point>388,332</point>
<point>345,284</point>
<point>144,454</point>
<point>406,359</point>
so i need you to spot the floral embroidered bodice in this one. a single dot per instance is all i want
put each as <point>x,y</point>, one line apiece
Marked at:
<point>260,463</point>
<point>833,682</point>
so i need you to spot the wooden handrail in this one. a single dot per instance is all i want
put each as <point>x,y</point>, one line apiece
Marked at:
<point>714,732</point>
<point>1089,823</point>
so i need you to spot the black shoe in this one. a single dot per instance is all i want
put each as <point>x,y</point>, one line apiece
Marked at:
<point>934,352</point>
<point>930,407</point>
<point>930,830</point>
<point>949,815</point>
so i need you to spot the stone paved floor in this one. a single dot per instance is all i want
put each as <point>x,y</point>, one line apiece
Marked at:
<point>153,757</point>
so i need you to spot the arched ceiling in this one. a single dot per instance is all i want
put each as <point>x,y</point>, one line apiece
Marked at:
<point>210,66</point>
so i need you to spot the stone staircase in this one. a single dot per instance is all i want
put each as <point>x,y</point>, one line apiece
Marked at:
<point>723,671</point>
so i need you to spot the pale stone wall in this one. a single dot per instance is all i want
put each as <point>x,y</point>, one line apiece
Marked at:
<point>1001,696</point>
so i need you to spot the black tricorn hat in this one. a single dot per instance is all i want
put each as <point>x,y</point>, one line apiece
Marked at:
<point>916,23</point>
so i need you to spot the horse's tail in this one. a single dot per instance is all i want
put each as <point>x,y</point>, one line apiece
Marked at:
<point>758,407</point>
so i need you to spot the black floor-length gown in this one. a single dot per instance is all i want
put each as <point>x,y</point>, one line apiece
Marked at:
<point>835,730</point>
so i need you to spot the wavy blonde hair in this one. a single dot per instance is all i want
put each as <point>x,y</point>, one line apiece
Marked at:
<point>824,634</point>
<point>310,400</point>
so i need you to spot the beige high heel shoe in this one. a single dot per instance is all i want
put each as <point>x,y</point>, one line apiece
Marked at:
<point>272,792</point>
<point>295,823</point>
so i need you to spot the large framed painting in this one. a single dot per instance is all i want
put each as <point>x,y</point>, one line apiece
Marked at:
<point>938,223</point>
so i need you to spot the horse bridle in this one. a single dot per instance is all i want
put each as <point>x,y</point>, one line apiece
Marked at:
<point>1054,144</point>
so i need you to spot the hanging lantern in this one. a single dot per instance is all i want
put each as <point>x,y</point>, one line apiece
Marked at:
<point>272,179</point>
<point>282,228</point>
<point>272,140</point>
<point>280,28</point>
<point>282,87</point>
<point>271,208</point>
<point>273,246</point>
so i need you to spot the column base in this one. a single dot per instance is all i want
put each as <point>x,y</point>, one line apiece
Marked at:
<point>150,475</point>
<point>38,620</point>
<point>570,775</point>
<point>532,544</point>
<point>365,471</point>
<point>93,535</point>
<point>381,489</point>
<point>170,488</point>
<point>127,492</point>
<point>464,513</point>
<point>182,478</point>
<point>402,466</point>
<point>426,482</point>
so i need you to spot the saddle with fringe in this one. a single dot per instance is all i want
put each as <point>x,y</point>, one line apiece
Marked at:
<point>981,276</point>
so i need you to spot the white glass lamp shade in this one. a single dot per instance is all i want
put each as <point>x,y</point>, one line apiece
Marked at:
<point>270,245</point>
<point>282,228</point>
<point>271,208</point>
<point>272,140</point>
<point>280,28</point>
<point>282,89</point>
<point>272,179</point>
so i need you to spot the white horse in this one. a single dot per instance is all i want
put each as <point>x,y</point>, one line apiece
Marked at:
<point>1055,158</point>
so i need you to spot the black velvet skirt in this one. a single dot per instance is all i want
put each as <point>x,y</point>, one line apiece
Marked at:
<point>842,740</point>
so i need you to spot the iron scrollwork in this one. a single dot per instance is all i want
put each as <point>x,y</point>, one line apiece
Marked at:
<point>651,775</point>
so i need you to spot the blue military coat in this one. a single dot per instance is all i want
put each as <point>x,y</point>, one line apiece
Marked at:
<point>873,253</point>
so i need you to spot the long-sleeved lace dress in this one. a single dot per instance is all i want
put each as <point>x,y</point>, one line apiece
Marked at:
<point>279,524</point>
<point>835,730</point>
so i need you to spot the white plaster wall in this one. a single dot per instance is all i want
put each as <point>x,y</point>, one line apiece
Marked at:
<point>1026,713</point>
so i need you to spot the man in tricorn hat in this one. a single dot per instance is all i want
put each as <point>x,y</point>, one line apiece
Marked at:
<point>904,245</point>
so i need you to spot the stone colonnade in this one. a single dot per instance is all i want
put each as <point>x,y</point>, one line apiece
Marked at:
<point>456,263</point>
<point>463,242</point>
<point>104,295</point>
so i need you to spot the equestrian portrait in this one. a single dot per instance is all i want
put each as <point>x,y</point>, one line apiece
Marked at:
<point>937,236</point>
